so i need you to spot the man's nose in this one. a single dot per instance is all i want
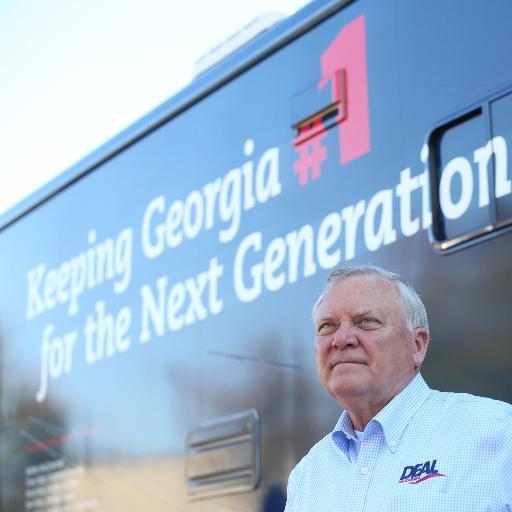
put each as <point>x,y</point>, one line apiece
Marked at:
<point>344,337</point>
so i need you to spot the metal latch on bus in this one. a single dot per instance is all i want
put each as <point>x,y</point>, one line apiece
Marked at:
<point>223,456</point>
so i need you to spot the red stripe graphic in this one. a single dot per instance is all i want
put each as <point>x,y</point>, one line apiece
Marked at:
<point>421,479</point>
<point>58,441</point>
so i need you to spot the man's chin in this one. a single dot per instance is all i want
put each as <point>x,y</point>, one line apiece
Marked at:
<point>347,387</point>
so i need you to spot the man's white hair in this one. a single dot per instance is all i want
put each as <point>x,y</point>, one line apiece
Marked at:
<point>412,305</point>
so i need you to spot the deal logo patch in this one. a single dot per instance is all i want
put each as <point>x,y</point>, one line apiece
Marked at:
<point>419,473</point>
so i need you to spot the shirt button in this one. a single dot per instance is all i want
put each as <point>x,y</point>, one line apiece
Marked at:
<point>364,471</point>
<point>392,443</point>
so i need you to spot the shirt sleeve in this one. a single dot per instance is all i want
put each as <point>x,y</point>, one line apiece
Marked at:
<point>504,460</point>
<point>293,488</point>
<point>290,493</point>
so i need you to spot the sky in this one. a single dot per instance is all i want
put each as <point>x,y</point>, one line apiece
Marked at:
<point>76,72</point>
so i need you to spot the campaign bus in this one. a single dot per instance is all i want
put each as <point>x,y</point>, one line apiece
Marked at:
<point>156,342</point>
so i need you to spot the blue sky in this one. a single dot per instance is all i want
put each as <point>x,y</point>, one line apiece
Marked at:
<point>76,72</point>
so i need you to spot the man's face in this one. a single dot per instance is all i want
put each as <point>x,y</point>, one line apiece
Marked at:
<point>364,348</point>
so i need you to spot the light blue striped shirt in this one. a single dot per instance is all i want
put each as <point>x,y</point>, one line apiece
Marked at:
<point>426,451</point>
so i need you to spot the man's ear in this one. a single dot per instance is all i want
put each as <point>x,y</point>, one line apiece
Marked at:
<point>421,339</point>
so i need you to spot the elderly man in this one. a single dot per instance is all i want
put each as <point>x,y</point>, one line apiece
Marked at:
<point>398,445</point>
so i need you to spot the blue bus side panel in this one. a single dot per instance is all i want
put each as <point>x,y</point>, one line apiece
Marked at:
<point>174,283</point>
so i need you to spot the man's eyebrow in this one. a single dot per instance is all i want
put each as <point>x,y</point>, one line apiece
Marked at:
<point>369,311</point>
<point>323,318</point>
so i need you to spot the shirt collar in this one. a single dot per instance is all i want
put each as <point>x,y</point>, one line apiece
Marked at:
<point>393,418</point>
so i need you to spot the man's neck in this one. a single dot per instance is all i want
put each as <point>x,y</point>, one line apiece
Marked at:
<point>362,411</point>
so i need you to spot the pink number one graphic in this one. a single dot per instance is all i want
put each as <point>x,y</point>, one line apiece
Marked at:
<point>348,52</point>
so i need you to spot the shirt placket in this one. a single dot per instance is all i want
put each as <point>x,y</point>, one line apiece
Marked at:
<point>366,459</point>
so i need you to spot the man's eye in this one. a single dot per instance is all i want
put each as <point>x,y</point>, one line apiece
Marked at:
<point>325,327</point>
<point>368,321</point>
